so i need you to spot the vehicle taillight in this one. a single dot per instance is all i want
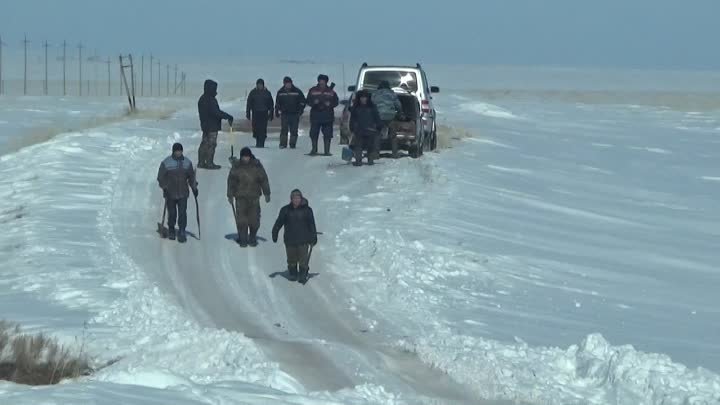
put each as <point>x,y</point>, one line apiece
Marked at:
<point>426,106</point>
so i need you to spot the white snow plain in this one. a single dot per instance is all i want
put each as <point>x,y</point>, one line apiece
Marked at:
<point>519,265</point>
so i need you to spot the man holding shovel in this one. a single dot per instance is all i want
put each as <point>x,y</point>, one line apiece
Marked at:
<point>300,235</point>
<point>246,182</point>
<point>176,176</point>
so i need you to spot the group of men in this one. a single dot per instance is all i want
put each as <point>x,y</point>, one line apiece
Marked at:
<point>289,105</point>
<point>247,180</point>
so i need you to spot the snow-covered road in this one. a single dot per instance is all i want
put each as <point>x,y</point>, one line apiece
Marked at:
<point>306,329</point>
<point>452,277</point>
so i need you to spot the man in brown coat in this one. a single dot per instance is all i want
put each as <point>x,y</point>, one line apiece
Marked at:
<point>246,182</point>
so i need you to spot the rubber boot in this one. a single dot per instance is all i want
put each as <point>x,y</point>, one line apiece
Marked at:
<point>252,240</point>
<point>211,162</point>
<point>171,233</point>
<point>326,144</point>
<point>182,236</point>
<point>314,149</point>
<point>293,272</point>
<point>242,239</point>
<point>304,274</point>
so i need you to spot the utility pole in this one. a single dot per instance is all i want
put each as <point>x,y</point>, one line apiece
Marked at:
<point>132,79</point>
<point>151,75</point>
<point>159,71</point>
<point>175,92</point>
<point>167,77</point>
<point>80,48</point>
<point>142,75</point>
<point>64,62</point>
<point>45,86</point>
<point>25,42</point>
<point>108,64</point>
<point>95,60</point>
<point>2,83</point>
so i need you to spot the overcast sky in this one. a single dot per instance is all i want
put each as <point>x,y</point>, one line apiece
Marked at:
<point>603,33</point>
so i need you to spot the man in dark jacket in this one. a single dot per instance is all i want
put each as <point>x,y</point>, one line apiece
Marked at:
<point>290,102</point>
<point>246,182</point>
<point>210,118</point>
<point>175,176</point>
<point>365,125</point>
<point>300,233</point>
<point>322,100</point>
<point>259,111</point>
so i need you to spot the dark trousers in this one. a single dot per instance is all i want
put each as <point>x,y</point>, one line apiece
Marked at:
<point>206,153</point>
<point>327,131</point>
<point>298,256</point>
<point>177,211</point>
<point>289,122</point>
<point>247,217</point>
<point>259,128</point>
<point>365,142</point>
<point>392,135</point>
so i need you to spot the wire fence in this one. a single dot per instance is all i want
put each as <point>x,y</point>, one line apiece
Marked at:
<point>30,67</point>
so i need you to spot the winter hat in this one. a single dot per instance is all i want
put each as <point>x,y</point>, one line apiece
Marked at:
<point>260,81</point>
<point>177,146</point>
<point>245,152</point>
<point>324,78</point>
<point>287,79</point>
<point>296,192</point>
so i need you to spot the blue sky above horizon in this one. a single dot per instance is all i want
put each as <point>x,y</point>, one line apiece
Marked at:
<point>661,34</point>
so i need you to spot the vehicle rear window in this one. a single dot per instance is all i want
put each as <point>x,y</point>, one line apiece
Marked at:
<point>372,79</point>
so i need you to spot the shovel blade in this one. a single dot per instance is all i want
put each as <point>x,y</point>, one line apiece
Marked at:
<point>162,230</point>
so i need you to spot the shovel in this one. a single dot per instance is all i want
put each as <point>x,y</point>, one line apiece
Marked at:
<point>161,229</point>
<point>347,153</point>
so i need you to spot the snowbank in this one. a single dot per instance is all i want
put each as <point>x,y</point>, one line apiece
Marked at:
<point>59,244</point>
<point>430,290</point>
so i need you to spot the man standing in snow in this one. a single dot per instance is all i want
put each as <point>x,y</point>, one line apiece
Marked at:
<point>388,106</point>
<point>290,102</point>
<point>322,100</point>
<point>210,118</point>
<point>300,233</point>
<point>246,182</point>
<point>176,176</point>
<point>365,125</point>
<point>259,111</point>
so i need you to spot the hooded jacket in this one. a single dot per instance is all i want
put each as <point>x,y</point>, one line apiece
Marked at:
<point>387,103</point>
<point>208,109</point>
<point>364,119</point>
<point>299,224</point>
<point>247,179</point>
<point>260,102</point>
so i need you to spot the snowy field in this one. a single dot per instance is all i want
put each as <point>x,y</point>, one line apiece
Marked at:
<point>561,252</point>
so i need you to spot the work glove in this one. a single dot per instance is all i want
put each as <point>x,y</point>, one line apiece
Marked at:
<point>314,242</point>
<point>275,237</point>
<point>230,200</point>
<point>267,198</point>
<point>247,116</point>
<point>277,114</point>
<point>165,193</point>
<point>230,120</point>
<point>195,192</point>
